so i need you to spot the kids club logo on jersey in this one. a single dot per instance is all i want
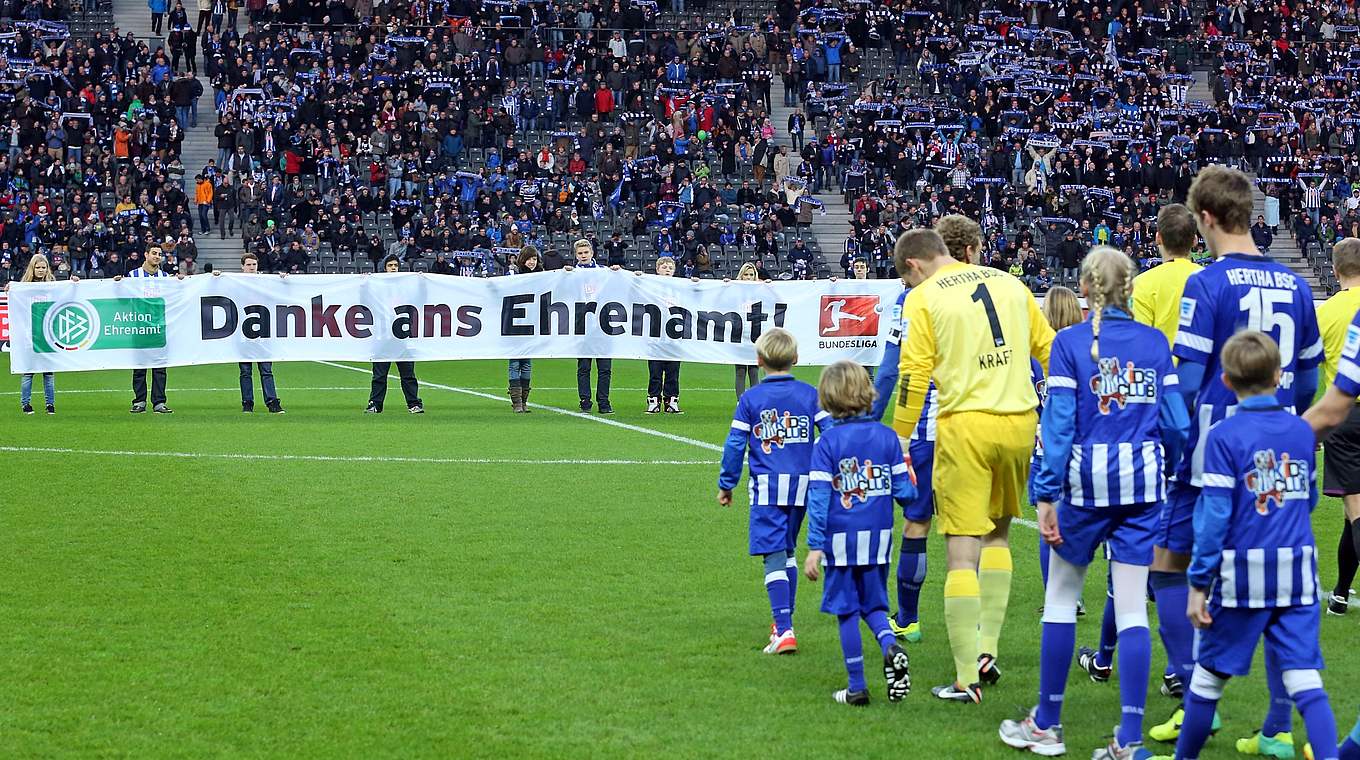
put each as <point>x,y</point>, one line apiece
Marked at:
<point>1273,479</point>
<point>860,481</point>
<point>843,316</point>
<point>1124,385</point>
<point>776,431</point>
<point>98,324</point>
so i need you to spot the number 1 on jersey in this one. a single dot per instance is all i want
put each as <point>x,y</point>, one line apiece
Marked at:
<point>985,298</point>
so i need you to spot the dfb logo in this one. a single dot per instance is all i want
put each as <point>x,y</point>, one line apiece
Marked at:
<point>845,316</point>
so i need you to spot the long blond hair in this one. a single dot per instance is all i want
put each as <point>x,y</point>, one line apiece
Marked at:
<point>1107,274</point>
<point>1062,308</point>
<point>748,268</point>
<point>29,275</point>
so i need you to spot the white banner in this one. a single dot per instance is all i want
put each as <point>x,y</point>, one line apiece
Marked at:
<point>158,322</point>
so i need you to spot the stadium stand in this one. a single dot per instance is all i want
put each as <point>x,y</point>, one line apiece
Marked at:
<point>450,134</point>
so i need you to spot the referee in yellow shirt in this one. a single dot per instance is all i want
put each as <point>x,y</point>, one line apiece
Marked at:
<point>973,329</point>
<point>1341,456</point>
<point>1157,292</point>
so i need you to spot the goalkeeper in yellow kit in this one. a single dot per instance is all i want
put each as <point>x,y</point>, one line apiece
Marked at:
<point>973,329</point>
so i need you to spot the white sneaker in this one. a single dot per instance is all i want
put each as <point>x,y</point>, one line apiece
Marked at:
<point>653,405</point>
<point>1025,734</point>
<point>1113,751</point>
<point>783,643</point>
<point>673,405</point>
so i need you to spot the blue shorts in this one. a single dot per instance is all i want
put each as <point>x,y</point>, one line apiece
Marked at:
<point>775,529</point>
<point>1176,528</point>
<point>855,589</point>
<point>1291,634</point>
<point>1128,533</point>
<point>922,463</point>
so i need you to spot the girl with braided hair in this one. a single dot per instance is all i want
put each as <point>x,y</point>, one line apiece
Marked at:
<point>1112,420</point>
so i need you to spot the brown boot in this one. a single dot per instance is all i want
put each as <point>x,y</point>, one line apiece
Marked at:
<point>524,397</point>
<point>517,398</point>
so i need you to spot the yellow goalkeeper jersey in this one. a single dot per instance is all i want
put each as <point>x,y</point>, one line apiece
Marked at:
<point>973,329</point>
<point>1334,318</point>
<point>1157,295</point>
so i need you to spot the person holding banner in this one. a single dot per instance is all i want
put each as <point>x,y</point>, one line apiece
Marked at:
<point>250,264</point>
<point>604,368</point>
<point>410,386</point>
<point>38,270</point>
<point>521,370</point>
<point>151,267</point>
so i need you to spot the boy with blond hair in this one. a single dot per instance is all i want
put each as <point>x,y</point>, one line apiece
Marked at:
<point>775,421</point>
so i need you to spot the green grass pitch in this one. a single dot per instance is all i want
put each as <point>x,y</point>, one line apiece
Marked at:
<point>332,584</point>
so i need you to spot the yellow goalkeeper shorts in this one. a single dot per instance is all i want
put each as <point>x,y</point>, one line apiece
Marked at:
<point>981,465</point>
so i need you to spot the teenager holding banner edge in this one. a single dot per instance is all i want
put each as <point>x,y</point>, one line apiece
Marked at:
<point>151,267</point>
<point>38,271</point>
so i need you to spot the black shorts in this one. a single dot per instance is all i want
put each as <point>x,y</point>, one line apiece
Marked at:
<point>1341,458</point>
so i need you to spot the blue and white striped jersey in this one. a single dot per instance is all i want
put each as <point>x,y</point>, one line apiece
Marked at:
<point>775,420</point>
<point>885,380</point>
<point>1241,292</point>
<point>140,272</point>
<point>858,471</point>
<point>1117,451</point>
<point>1253,524</point>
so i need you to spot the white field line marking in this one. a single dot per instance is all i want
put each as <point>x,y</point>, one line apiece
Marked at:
<point>62,391</point>
<point>290,389</point>
<point>332,458</point>
<point>593,418</point>
<point>559,410</point>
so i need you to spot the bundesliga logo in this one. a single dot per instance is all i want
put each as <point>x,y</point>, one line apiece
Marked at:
<point>1276,480</point>
<point>775,431</point>
<point>1125,385</point>
<point>856,481</point>
<point>848,316</point>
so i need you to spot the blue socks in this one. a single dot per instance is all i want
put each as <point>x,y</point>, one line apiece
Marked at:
<point>853,649</point>
<point>1198,723</point>
<point>791,569</point>
<point>911,575</point>
<point>777,587</point>
<point>878,623</point>
<point>1109,634</point>
<point>1055,661</point>
<point>1135,660</point>
<point>1318,720</point>
<point>1172,592</point>
<point>1280,716</point>
<point>1350,748</point>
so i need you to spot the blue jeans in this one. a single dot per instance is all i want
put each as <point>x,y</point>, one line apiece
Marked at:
<point>49,389</point>
<point>833,72</point>
<point>182,116</point>
<point>271,394</point>
<point>521,369</point>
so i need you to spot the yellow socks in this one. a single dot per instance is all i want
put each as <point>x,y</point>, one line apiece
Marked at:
<point>962,607</point>
<point>994,580</point>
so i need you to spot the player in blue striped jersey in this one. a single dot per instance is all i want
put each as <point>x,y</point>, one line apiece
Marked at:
<point>858,471</point>
<point>1254,566</point>
<point>1324,417</point>
<point>775,420</point>
<point>911,562</point>
<point>1113,413</point>
<point>1242,289</point>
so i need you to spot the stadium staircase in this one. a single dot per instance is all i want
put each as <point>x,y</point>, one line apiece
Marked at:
<point>199,144</point>
<point>1285,249</point>
<point>829,230</point>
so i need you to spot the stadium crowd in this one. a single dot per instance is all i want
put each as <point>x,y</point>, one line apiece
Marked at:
<point>451,136</point>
